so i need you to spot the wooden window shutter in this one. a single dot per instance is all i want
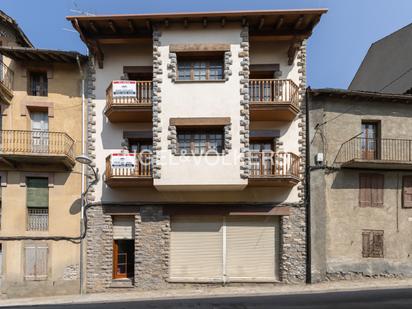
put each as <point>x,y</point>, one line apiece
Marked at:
<point>365,196</point>
<point>30,262</point>
<point>36,256</point>
<point>37,192</point>
<point>377,245</point>
<point>365,244</point>
<point>407,192</point>
<point>41,262</point>
<point>377,182</point>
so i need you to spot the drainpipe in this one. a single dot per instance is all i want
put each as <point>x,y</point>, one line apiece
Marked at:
<point>307,195</point>
<point>81,275</point>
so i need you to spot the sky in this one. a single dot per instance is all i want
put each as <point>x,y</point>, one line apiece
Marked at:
<point>335,50</point>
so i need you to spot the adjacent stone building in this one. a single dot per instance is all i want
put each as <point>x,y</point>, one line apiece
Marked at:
<point>197,121</point>
<point>360,173</point>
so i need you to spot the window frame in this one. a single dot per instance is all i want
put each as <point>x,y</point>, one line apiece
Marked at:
<point>406,179</point>
<point>375,183</point>
<point>44,91</point>
<point>31,208</point>
<point>37,247</point>
<point>370,236</point>
<point>217,60</point>
<point>192,141</point>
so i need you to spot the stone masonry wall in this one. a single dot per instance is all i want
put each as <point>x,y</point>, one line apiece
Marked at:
<point>293,227</point>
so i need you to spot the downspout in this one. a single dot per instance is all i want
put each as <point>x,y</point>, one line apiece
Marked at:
<point>307,195</point>
<point>82,176</point>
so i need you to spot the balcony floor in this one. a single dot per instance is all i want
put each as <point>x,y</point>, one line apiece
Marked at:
<point>37,161</point>
<point>129,182</point>
<point>378,164</point>
<point>130,113</point>
<point>273,181</point>
<point>272,111</point>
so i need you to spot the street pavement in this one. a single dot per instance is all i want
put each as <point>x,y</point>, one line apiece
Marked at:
<point>376,299</point>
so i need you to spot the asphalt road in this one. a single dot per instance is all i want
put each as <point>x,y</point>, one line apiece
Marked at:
<point>399,298</point>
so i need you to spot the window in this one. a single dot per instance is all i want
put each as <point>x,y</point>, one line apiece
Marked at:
<point>407,192</point>
<point>36,261</point>
<point>371,190</point>
<point>37,203</point>
<point>195,141</point>
<point>123,247</point>
<point>200,69</point>
<point>38,84</point>
<point>369,140</point>
<point>372,244</point>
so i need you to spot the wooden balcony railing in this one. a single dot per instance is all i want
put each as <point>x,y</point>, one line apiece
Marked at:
<point>6,76</point>
<point>140,168</point>
<point>143,95</point>
<point>273,91</point>
<point>36,142</point>
<point>271,164</point>
<point>384,149</point>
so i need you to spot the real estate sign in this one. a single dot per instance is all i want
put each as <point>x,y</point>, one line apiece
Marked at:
<point>124,88</point>
<point>123,160</point>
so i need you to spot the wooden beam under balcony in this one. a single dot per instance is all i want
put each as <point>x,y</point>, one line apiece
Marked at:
<point>270,169</point>
<point>273,99</point>
<point>136,108</point>
<point>36,150</point>
<point>135,172</point>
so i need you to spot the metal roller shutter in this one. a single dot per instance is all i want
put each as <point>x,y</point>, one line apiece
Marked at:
<point>196,253</point>
<point>251,253</point>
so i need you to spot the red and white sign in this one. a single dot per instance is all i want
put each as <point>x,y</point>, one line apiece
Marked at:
<point>123,160</point>
<point>124,88</point>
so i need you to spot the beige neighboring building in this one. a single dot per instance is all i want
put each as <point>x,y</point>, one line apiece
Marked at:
<point>40,97</point>
<point>198,122</point>
<point>361,184</point>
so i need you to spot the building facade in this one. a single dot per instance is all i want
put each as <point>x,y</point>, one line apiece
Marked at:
<point>40,184</point>
<point>360,180</point>
<point>197,122</point>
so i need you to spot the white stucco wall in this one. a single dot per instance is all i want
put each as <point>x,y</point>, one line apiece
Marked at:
<point>201,99</point>
<point>192,100</point>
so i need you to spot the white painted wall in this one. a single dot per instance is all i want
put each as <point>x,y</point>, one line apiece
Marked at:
<point>201,99</point>
<point>192,100</point>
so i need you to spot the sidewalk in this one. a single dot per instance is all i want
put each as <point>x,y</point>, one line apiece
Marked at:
<point>204,292</point>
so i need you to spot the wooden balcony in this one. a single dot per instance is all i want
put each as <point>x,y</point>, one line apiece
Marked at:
<point>270,169</point>
<point>6,83</point>
<point>39,149</point>
<point>137,108</point>
<point>273,99</point>
<point>132,173</point>
<point>370,153</point>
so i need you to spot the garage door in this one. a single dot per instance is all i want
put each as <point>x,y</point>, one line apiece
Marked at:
<point>196,249</point>
<point>251,253</point>
<point>231,249</point>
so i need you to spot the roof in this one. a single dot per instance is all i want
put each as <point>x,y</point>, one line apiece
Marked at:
<point>290,25</point>
<point>357,94</point>
<point>21,37</point>
<point>41,55</point>
<point>386,65</point>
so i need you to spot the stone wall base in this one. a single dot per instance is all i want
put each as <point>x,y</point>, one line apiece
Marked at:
<point>152,237</point>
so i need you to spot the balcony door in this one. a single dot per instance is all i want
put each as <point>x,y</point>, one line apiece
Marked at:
<point>369,141</point>
<point>40,132</point>
<point>262,158</point>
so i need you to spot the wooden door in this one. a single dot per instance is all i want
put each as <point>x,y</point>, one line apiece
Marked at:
<point>40,128</point>
<point>123,258</point>
<point>262,158</point>
<point>369,141</point>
